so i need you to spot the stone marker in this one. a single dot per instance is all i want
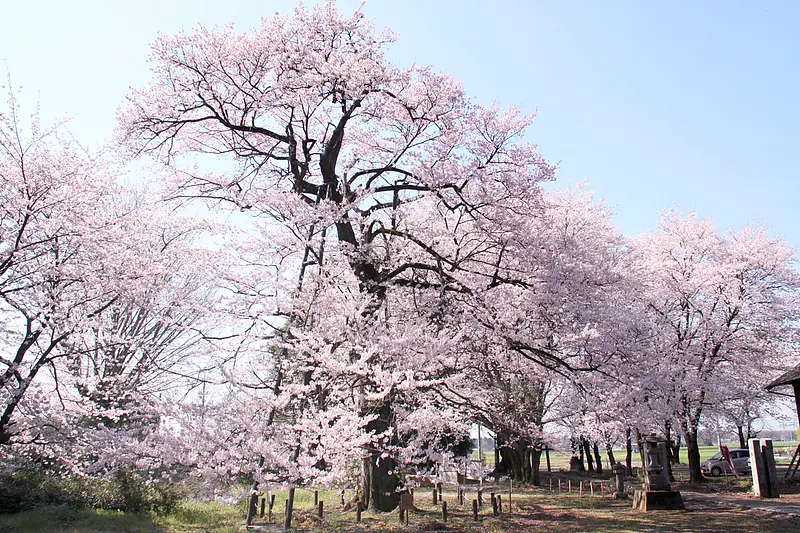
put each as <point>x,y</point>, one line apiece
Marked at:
<point>762,465</point>
<point>657,493</point>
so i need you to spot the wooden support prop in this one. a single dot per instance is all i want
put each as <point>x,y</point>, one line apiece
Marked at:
<point>412,491</point>
<point>475,510</point>
<point>271,502</point>
<point>480,497</point>
<point>494,505</point>
<point>551,484</point>
<point>569,486</point>
<point>263,504</point>
<point>510,490</point>
<point>435,499</point>
<point>581,489</point>
<point>499,504</point>
<point>251,509</point>
<point>341,496</point>
<point>440,491</point>
<point>287,512</point>
<point>591,488</point>
<point>444,511</point>
<point>320,505</point>
<point>559,485</point>
<point>316,498</point>
<point>602,489</point>
<point>401,514</point>
<point>358,511</point>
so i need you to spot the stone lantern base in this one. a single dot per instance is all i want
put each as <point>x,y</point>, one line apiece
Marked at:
<point>653,500</point>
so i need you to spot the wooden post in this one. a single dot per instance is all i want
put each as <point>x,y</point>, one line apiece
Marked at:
<point>551,484</point>
<point>569,486</point>
<point>270,505</point>
<point>602,489</point>
<point>591,487</point>
<point>475,510</point>
<point>499,504</point>
<point>444,511</point>
<point>510,490</point>
<point>319,510</point>
<point>287,515</point>
<point>412,491</point>
<point>316,498</point>
<point>263,504</point>
<point>559,485</point>
<point>435,499</point>
<point>440,491</point>
<point>402,514</point>
<point>252,508</point>
<point>494,505</point>
<point>581,489</point>
<point>358,511</point>
<point>480,497</point>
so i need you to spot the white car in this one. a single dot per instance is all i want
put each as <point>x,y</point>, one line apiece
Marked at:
<point>716,466</point>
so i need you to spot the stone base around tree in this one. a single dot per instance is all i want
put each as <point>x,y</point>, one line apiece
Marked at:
<point>658,500</point>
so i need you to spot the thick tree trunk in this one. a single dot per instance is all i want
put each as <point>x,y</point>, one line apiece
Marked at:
<point>670,460</point>
<point>536,460</point>
<point>628,452</point>
<point>380,482</point>
<point>527,469</point>
<point>598,463</point>
<point>516,459</point>
<point>742,443</point>
<point>587,451</point>
<point>640,444</point>
<point>610,455</point>
<point>547,457</point>
<point>676,450</point>
<point>693,449</point>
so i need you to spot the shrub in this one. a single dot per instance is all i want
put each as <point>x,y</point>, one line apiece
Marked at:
<point>24,490</point>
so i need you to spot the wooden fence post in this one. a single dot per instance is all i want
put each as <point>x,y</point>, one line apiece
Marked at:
<point>475,510</point>
<point>319,510</point>
<point>444,511</point>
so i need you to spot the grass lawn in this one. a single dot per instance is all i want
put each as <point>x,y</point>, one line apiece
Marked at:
<point>560,460</point>
<point>533,510</point>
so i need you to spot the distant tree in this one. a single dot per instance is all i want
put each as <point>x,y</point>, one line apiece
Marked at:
<point>722,308</point>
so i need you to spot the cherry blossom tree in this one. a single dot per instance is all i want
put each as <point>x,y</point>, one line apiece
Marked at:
<point>89,282</point>
<point>322,132</point>
<point>720,306</point>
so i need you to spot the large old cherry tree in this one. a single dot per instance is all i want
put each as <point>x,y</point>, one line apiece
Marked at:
<point>413,186</point>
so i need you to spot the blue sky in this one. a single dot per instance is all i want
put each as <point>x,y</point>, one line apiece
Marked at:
<point>655,103</point>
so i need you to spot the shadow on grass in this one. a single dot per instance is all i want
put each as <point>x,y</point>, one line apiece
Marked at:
<point>68,520</point>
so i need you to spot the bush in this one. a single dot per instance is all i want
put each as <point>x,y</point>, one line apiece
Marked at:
<point>26,490</point>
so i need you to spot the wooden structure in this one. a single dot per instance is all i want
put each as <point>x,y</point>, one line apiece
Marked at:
<point>791,379</point>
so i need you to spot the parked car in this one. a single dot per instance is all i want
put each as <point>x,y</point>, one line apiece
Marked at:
<point>716,466</point>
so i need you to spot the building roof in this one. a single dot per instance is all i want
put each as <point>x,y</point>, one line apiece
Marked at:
<point>789,378</point>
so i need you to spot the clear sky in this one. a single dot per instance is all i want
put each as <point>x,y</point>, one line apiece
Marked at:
<point>655,103</point>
